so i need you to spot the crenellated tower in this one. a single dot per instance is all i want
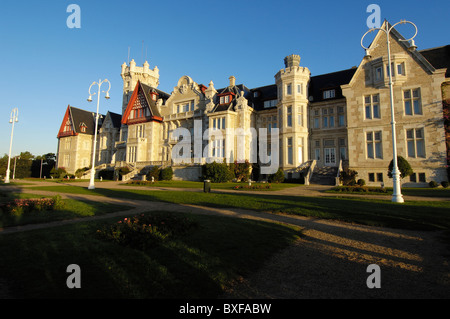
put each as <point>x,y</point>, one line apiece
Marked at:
<point>131,74</point>
<point>292,85</point>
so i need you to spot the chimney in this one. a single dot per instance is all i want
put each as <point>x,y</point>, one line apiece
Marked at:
<point>232,81</point>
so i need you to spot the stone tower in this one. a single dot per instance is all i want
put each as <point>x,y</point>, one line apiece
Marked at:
<point>132,74</point>
<point>292,85</point>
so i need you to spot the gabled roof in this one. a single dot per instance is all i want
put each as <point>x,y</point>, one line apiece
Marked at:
<point>144,93</point>
<point>78,118</point>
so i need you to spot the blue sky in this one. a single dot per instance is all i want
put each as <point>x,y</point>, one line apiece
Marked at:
<point>46,65</point>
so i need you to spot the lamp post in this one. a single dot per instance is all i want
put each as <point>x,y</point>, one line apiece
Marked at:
<point>14,118</point>
<point>99,84</point>
<point>396,195</point>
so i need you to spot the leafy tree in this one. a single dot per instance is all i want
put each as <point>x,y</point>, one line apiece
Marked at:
<point>348,177</point>
<point>403,166</point>
<point>166,174</point>
<point>242,170</point>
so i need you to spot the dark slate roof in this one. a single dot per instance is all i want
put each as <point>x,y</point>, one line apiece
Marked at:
<point>115,119</point>
<point>320,83</point>
<point>152,104</point>
<point>264,93</point>
<point>438,57</point>
<point>236,89</point>
<point>81,116</point>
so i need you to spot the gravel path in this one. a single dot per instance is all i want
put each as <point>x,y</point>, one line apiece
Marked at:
<point>329,261</point>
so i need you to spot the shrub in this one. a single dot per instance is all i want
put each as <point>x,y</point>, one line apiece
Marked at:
<point>153,172</point>
<point>166,174</point>
<point>59,172</point>
<point>348,177</point>
<point>242,170</point>
<point>217,172</point>
<point>278,177</point>
<point>444,184</point>
<point>361,182</point>
<point>433,184</point>
<point>146,231</point>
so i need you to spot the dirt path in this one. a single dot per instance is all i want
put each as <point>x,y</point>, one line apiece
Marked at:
<point>329,261</point>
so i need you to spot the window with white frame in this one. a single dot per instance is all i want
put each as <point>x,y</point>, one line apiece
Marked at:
<point>374,145</point>
<point>328,94</point>
<point>300,115</point>
<point>412,102</point>
<point>372,106</point>
<point>415,143</point>
<point>217,148</point>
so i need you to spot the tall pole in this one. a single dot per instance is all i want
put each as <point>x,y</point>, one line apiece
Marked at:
<point>397,196</point>
<point>14,118</point>
<point>100,82</point>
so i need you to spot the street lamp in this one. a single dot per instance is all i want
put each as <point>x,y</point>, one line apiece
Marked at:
<point>99,83</point>
<point>396,195</point>
<point>14,118</point>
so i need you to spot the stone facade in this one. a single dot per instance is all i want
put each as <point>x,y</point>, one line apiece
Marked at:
<point>331,120</point>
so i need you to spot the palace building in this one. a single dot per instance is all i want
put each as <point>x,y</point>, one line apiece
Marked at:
<point>324,122</point>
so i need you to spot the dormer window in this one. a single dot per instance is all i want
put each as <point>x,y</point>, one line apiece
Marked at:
<point>225,99</point>
<point>83,127</point>
<point>329,94</point>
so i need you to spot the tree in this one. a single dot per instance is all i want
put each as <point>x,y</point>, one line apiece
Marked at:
<point>403,166</point>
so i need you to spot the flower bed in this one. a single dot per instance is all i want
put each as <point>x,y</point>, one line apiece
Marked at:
<point>256,186</point>
<point>18,207</point>
<point>146,231</point>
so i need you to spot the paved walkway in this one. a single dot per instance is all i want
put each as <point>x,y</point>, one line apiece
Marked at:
<point>330,260</point>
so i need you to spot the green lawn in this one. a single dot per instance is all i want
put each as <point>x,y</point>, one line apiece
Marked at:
<point>418,215</point>
<point>199,264</point>
<point>199,185</point>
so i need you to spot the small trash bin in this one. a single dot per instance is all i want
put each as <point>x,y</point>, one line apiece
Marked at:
<point>207,186</point>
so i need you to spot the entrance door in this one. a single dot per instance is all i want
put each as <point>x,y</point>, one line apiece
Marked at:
<point>330,157</point>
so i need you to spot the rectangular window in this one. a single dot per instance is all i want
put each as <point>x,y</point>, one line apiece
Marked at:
<point>415,143</point>
<point>223,123</point>
<point>290,152</point>
<point>341,120</point>
<point>331,121</point>
<point>372,107</point>
<point>371,177</point>
<point>401,69</point>
<point>289,89</point>
<point>300,88</point>
<point>378,73</point>
<point>192,105</point>
<point>317,154</point>
<point>413,178</point>
<point>379,177</point>
<point>374,145</point>
<point>328,94</point>
<point>316,122</point>
<point>413,103</point>
<point>422,178</point>
<point>289,116</point>
<point>343,153</point>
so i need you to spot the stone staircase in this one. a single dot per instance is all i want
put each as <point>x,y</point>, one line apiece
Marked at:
<point>324,175</point>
